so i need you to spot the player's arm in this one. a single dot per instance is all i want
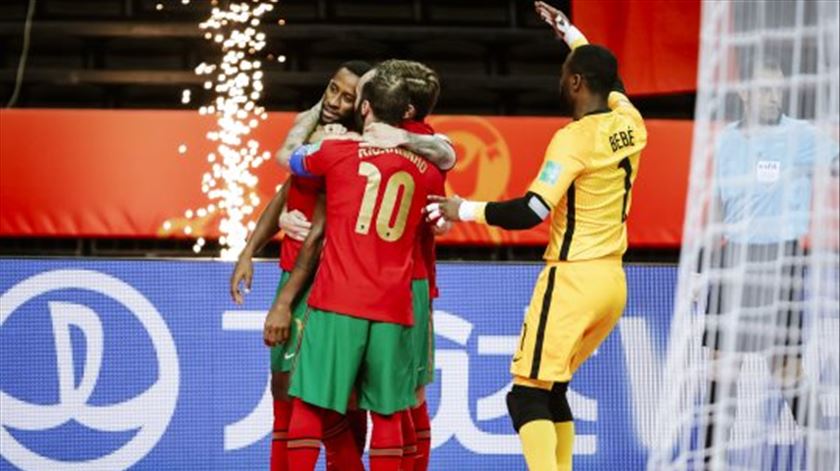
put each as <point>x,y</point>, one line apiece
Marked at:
<point>305,123</point>
<point>436,148</point>
<point>574,38</point>
<point>309,161</point>
<point>278,319</point>
<point>267,227</point>
<point>558,172</point>
<point>516,214</point>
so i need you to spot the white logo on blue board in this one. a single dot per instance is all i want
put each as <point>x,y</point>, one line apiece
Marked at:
<point>147,413</point>
<point>453,418</point>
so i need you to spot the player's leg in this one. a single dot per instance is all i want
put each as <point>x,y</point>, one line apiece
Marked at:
<point>330,354</point>
<point>358,419</point>
<point>529,405</point>
<point>529,401</point>
<point>343,453</point>
<point>423,335</point>
<point>422,430</point>
<point>386,388</point>
<point>575,307</point>
<point>409,458</point>
<point>305,432</point>
<point>282,405</point>
<point>597,293</point>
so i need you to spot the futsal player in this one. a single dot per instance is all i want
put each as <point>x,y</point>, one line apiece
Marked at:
<point>584,190</point>
<point>297,194</point>
<point>357,334</point>
<point>414,134</point>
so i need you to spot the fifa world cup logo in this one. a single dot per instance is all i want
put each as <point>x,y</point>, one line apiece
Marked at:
<point>483,168</point>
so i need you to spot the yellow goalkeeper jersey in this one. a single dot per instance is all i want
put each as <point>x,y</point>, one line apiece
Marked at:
<point>587,178</point>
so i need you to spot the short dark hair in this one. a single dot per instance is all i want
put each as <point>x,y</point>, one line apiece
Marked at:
<point>358,68</point>
<point>749,63</point>
<point>597,65</point>
<point>422,81</point>
<point>388,97</point>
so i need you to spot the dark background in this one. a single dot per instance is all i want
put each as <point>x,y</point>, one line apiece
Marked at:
<point>495,57</point>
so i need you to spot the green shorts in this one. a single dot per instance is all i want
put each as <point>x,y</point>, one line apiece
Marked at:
<point>423,334</point>
<point>283,356</point>
<point>339,354</point>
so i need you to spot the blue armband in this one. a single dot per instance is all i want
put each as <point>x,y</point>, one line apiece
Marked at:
<point>296,161</point>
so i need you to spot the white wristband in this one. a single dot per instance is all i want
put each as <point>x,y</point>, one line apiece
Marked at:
<point>467,210</point>
<point>573,35</point>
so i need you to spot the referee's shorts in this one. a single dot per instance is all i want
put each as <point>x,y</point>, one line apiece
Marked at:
<point>574,307</point>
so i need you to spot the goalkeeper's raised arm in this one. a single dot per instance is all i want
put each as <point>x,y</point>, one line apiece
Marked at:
<point>607,130</point>
<point>574,38</point>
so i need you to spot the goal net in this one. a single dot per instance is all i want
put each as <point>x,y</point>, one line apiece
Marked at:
<point>751,379</point>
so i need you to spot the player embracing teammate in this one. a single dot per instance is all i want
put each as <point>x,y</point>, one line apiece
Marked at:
<point>357,343</point>
<point>305,229</point>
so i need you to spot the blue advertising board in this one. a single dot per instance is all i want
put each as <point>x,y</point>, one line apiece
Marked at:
<point>109,364</point>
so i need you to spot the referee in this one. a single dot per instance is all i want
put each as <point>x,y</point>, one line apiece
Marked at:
<point>764,165</point>
<point>584,188</point>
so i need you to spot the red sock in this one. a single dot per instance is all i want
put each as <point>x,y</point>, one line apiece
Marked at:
<point>358,424</point>
<point>386,442</point>
<point>409,441</point>
<point>279,437</point>
<point>423,430</point>
<point>305,431</point>
<point>340,444</point>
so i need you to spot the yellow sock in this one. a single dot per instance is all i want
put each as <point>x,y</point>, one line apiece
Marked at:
<point>538,440</point>
<point>565,443</point>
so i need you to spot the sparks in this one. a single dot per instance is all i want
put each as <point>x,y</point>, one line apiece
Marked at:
<point>236,80</point>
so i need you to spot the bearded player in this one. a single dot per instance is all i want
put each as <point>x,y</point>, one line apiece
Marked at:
<point>335,108</point>
<point>358,334</point>
<point>414,134</point>
<point>437,150</point>
<point>424,89</point>
<point>584,186</point>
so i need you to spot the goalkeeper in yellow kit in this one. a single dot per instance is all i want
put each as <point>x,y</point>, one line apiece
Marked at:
<point>584,186</point>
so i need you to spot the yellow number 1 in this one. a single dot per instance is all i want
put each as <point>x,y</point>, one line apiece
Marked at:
<point>384,228</point>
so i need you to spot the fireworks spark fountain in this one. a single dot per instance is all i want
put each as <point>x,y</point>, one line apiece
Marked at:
<point>237,86</point>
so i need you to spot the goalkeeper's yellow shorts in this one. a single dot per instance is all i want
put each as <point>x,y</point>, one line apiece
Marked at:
<point>574,307</point>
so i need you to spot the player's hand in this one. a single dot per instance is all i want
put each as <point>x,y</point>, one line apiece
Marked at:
<point>555,18</point>
<point>335,129</point>
<point>384,136</point>
<point>444,208</point>
<point>442,227</point>
<point>243,272</point>
<point>295,224</point>
<point>277,324</point>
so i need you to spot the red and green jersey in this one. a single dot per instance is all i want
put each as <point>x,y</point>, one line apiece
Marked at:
<point>424,251</point>
<point>374,201</point>
<point>303,193</point>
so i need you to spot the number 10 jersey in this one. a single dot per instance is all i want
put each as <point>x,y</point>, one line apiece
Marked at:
<point>374,203</point>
